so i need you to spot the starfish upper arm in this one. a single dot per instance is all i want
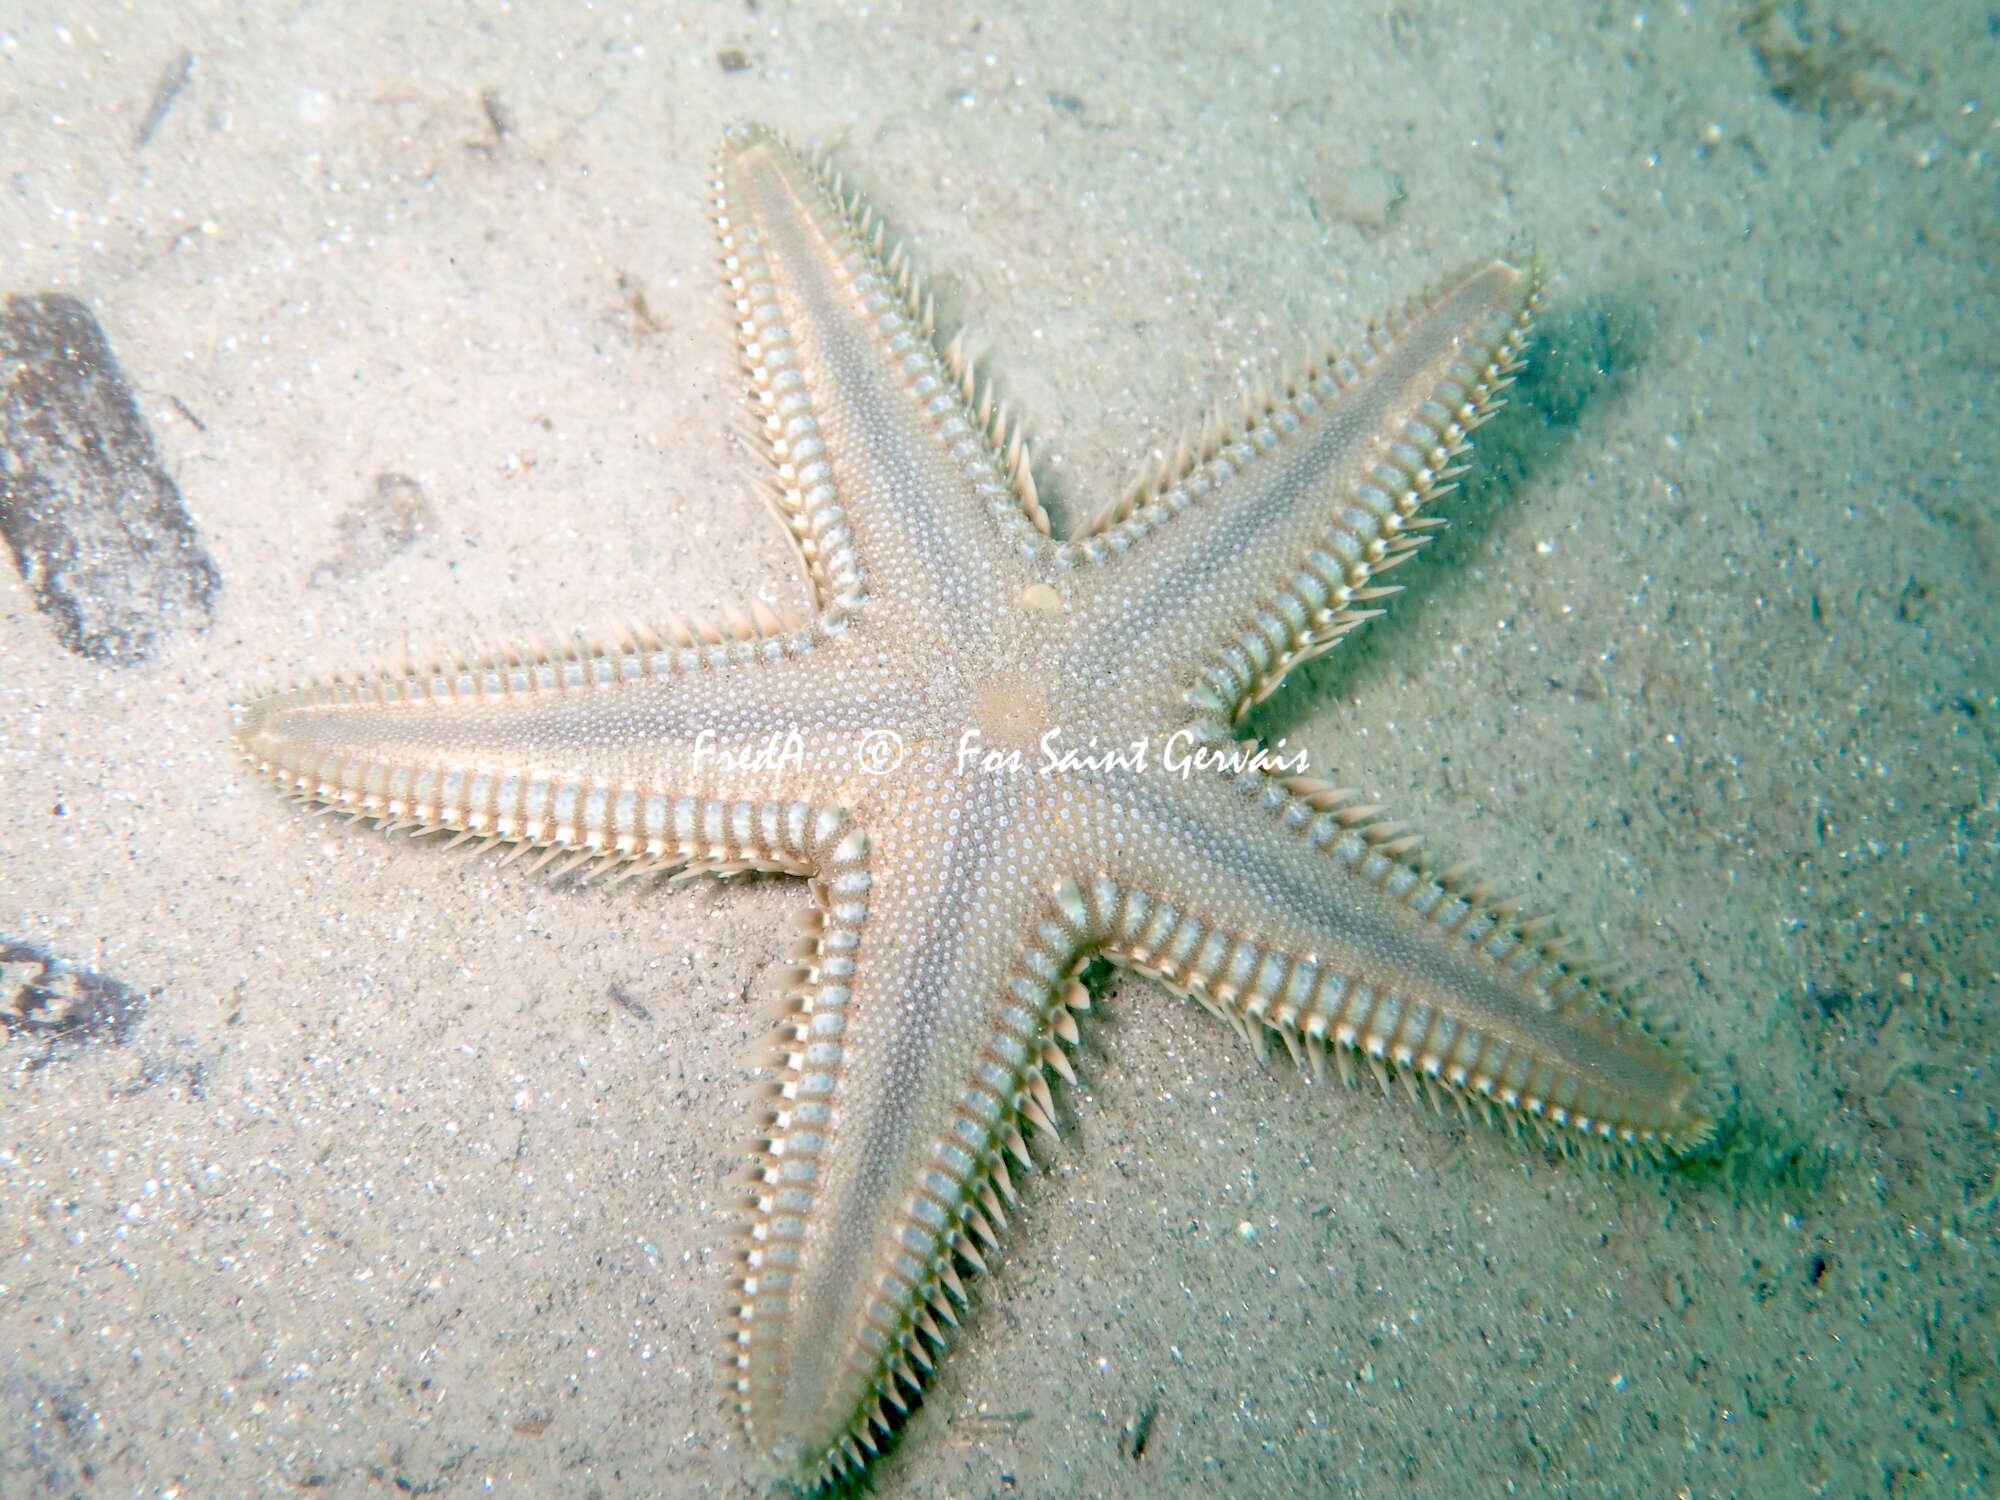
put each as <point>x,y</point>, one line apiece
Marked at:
<point>1263,551</point>
<point>894,473</point>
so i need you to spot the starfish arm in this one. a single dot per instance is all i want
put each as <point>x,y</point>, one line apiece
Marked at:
<point>886,461</point>
<point>708,751</point>
<point>1261,553</point>
<point>912,1062</point>
<point>1300,914</point>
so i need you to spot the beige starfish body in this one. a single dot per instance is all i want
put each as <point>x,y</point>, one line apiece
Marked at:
<point>995,756</point>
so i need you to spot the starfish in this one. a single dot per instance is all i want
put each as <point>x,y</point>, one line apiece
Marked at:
<point>997,756</point>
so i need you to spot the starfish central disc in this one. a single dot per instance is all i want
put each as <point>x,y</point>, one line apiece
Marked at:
<point>1011,713</point>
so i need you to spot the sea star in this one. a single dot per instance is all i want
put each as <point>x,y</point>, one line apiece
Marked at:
<point>995,756</point>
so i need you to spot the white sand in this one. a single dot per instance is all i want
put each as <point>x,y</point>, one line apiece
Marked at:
<point>389,1191</point>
